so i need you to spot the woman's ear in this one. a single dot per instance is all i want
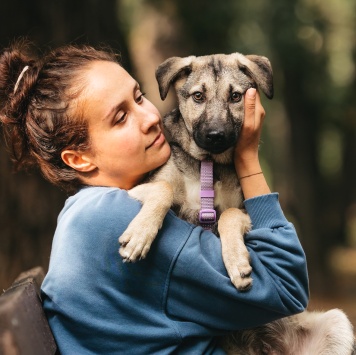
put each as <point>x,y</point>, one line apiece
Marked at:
<point>78,161</point>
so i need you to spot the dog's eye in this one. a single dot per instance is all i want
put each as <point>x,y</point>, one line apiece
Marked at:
<point>236,96</point>
<point>198,96</point>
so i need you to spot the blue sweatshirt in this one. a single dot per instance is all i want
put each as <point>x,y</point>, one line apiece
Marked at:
<point>177,300</point>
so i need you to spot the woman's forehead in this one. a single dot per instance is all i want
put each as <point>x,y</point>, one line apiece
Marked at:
<point>102,75</point>
<point>107,86</point>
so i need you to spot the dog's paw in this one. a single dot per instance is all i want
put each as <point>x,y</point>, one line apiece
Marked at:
<point>131,253</point>
<point>245,270</point>
<point>241,283</point>
<point>135,244</point>
<point>240,275</point>
<point>132,248</point>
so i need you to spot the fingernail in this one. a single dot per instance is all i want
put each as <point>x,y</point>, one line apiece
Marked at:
<point>251,92</point>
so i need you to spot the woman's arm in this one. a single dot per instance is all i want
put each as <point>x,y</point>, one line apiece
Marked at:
<point>200,290</point>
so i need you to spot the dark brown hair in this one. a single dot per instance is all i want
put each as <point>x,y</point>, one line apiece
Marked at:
<point>37,118</point>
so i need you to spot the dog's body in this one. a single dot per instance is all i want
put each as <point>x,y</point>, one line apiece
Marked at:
<point>207,124</point>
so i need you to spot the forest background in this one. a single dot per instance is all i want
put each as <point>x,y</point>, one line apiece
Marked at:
<point>308,146</point>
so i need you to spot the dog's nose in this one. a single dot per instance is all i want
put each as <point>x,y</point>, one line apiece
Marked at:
<point>215,137</point>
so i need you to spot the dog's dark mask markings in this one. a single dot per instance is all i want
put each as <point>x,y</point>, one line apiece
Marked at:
<point>212,136</point>
<point>210,93</point>
<point>216,67</point>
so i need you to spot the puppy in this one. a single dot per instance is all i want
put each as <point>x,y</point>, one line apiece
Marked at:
<point>206,126</point>
<point>204,129</point>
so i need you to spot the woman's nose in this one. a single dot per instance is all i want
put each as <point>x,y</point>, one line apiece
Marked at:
<point>149,119</point>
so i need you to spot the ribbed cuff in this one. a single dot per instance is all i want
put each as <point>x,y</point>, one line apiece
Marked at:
<point>265,211</point>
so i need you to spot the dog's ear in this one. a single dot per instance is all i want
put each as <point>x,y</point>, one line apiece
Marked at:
<point>260,70</point>
<point>168,71</point>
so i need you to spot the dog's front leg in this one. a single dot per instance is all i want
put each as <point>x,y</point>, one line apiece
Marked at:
<point>156,198</point>
<point>233,224</point>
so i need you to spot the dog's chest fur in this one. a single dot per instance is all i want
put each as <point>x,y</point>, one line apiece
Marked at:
<point>187,187</point>
<point>223,200</point>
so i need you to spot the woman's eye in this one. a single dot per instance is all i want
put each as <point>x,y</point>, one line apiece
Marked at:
<point>120,119</point>
<point>236,96</point>
<point>140,97</point>
<point>198,96</point>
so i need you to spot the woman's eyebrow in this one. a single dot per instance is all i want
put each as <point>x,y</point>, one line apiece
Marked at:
<point>112,112</point>
<point>117,107</point>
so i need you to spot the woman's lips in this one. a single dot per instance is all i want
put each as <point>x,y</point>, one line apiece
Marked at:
<point>160,139</point>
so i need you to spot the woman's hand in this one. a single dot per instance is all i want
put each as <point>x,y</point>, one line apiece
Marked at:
<point>246,150</point>
<point>246,157</point>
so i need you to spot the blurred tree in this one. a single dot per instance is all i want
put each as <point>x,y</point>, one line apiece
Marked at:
<point>30,205</point>
<point>201,27</point>
<point>303,76</point>
<point>317,100</point>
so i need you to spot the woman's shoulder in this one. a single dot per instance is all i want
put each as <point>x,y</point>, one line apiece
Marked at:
<point>110,208</point>
<point>94,199</point>
<point>91,193</point>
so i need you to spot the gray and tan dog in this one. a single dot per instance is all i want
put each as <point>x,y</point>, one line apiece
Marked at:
<point>206,125</point>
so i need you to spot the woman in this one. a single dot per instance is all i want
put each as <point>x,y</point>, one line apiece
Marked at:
<point>79,116</point>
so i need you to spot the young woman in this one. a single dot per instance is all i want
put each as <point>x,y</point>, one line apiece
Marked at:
<point>84,121</point>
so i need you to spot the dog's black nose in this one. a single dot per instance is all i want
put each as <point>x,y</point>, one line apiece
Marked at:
<point>215,137</point>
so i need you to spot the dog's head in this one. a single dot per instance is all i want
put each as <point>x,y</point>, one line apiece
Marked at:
<point>210,91</point>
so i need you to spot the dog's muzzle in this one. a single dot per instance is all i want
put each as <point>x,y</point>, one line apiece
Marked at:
<point>214,140</point>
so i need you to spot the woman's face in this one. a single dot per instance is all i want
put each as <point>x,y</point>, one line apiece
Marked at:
<point>125,129</point>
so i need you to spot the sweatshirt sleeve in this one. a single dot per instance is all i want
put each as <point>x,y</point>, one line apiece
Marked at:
<point>200,290</point>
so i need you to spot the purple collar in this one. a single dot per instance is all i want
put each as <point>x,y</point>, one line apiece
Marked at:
<point>207,214</point>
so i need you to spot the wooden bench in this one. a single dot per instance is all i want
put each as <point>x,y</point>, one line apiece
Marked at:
<point>24,329</point>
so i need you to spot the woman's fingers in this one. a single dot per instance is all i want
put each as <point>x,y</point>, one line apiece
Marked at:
<point>259,110</point>
<point>254,111</point>
<point>250,107</point>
